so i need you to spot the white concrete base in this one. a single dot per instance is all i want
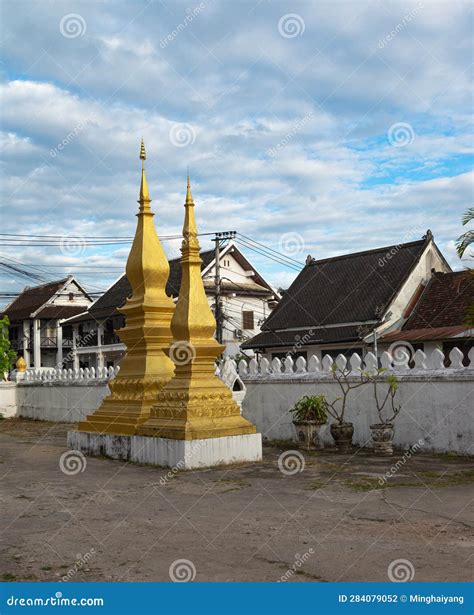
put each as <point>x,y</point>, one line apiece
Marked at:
<point>99,445</point>
<point>165,452</point>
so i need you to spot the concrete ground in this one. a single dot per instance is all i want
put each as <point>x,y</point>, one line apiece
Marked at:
<point>336,520</point>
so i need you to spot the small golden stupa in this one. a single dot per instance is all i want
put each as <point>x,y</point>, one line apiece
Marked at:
<point>146,368</point>
<point>195,404</point>
<point>20,365</point>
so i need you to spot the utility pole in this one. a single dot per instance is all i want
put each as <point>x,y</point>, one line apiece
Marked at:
<point>218,312</point>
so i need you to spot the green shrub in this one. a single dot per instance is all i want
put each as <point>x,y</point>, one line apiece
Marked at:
<point>310,408</point>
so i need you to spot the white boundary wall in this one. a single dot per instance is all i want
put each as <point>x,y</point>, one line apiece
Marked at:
<point>8,399</point>
<point>436,401</point>
<point>70,395</point>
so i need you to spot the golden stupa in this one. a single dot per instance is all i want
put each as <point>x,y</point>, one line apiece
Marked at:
<point>146,368</point>
<point>195,404</point>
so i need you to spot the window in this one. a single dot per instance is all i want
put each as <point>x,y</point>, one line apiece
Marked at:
<point>71,296</point>
<point>247,320</point>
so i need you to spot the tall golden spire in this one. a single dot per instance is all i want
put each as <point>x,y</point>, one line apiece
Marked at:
<point>145,368</point>
<point>195,404</point>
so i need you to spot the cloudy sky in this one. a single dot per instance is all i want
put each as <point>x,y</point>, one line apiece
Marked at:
<point>311,127</point>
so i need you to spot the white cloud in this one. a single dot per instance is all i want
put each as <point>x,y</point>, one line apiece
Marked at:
<point>245,91</point>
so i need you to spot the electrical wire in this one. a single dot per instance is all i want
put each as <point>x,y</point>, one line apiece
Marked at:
<point>245,244</point>
<point>270,249</point>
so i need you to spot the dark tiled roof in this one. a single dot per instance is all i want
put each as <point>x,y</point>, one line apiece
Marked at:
<point>106,306</point>
<point>303,337</point>
<point>444,302</point>
<point>350,288</point>
<point>31,299</point>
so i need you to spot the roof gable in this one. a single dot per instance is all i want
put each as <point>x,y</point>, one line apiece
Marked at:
<point>444,302</point>
<point>44,301</point>
<point>31,299</point>
<point>233,252</point>
<point>350,288</point>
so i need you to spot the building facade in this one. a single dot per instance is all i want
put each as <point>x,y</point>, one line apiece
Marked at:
<point>35,317</point>
<point>350,303</point>
<point>440,317</point>
<point>246,299</point>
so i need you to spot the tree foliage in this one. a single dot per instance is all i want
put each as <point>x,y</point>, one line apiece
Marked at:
<point>7,355</point>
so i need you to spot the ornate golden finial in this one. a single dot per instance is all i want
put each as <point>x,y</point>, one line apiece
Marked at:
<point>142,153</point>
<point>144,199</point>
<point>189,196</point>
<point>189,228</point>
<point>20,365</point>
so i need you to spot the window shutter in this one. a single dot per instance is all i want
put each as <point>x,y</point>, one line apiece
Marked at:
<point>247,320</point>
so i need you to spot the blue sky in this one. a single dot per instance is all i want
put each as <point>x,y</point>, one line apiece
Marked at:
<point>313,127</point>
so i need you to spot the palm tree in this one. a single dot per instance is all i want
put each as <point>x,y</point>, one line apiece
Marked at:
<point>462,244</point>
<point>465,240</point>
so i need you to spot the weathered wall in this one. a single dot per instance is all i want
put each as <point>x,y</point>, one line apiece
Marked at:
<point>69,396</point>
<point>60,401</point>
<point>436,407</point>
<point>8,403</point>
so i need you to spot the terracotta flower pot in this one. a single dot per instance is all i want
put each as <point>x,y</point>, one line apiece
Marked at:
<point>382,437</point>
<point>307,433</point>
<point>342,434</point>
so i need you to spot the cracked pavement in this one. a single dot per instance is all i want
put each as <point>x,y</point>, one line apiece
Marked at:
<point>117,521</point>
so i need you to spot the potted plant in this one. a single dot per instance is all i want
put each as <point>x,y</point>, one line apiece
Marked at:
<point>382,432</point>
<point>342,430</point>
<point>309,414</point>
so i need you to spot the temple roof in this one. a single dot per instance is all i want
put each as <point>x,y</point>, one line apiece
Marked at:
<point>339,294</point>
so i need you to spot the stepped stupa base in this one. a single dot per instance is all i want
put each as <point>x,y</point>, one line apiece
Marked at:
<point>169,453</point>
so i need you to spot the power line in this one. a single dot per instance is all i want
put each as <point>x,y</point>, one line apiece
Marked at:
<point>17,240</point>
<point>280,254</point>
<point>275,259</point>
